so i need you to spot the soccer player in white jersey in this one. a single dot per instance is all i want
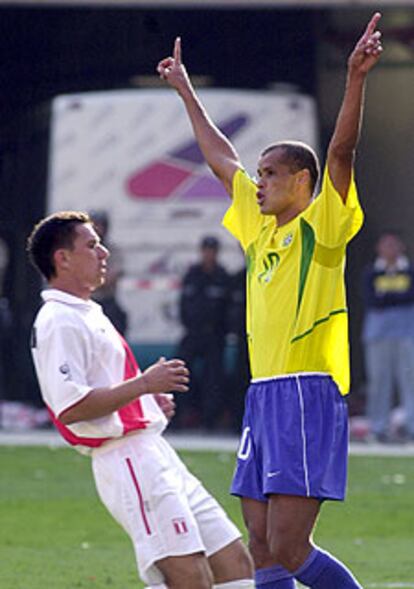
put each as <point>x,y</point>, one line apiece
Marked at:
<point>105,407</point>
<point>293,450</point>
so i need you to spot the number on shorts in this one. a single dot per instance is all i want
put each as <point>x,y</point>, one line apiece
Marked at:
<point>245,444</point>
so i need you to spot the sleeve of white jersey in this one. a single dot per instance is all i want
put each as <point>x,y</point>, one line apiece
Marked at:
<point>61,359</point>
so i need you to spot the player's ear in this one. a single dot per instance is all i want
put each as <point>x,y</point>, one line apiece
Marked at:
<point>61,259</point>
<point>303,176</point>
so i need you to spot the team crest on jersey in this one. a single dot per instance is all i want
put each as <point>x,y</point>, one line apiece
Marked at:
<point>65,370</point>
<point>270,263</point>
<point>180,526</point>
<point>287,240</point>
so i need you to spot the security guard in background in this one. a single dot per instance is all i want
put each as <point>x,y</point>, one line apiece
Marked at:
<point>204,304</point>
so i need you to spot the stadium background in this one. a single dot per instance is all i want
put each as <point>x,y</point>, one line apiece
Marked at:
<point>49,49</point>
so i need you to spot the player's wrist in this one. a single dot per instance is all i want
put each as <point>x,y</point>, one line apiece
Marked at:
<point>145,388</point>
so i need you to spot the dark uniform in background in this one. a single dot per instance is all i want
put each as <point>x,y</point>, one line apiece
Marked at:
<point>204,304</point>
<point>240,373</point>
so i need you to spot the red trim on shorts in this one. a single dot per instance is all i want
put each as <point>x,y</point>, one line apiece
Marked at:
<point>140,498</point>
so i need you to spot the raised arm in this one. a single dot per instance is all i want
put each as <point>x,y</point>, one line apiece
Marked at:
<point>217,149</point>
<point>341,151</point>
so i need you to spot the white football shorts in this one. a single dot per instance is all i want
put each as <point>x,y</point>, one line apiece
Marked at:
<point>165,509</point>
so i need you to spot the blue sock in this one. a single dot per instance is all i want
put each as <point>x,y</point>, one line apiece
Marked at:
<point>274,577</point>
<point>323,571</point>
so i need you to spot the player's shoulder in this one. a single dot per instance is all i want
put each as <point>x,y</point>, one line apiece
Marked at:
<point>242,178</point>
<point>55,314</point>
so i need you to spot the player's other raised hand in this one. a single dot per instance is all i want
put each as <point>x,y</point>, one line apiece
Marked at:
<point>165,376</point>
<point>368,49</point>
<point>172,70</point>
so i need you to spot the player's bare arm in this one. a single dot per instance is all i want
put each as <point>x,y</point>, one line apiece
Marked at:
<point>162,377</point>
<point>217,149</point>
<point>341,151</point>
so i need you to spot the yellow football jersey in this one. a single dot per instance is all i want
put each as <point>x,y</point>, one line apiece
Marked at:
<point>296,303</point>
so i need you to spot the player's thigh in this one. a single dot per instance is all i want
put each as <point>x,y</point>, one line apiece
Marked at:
<point>255,517</point>
<point>191,571</point>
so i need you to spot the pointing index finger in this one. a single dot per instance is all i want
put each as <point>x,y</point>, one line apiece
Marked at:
<point>372,24</point>
<point>177,51</point>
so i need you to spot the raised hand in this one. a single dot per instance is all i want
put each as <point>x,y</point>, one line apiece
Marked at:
<point>165,376</point>
<point>172,70</point>
<point>368,49</point>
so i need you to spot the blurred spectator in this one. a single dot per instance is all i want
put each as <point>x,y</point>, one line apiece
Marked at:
<point>106,295</point>
<point>240,374</point>
<point>203,312</point>
<point>388,335</point>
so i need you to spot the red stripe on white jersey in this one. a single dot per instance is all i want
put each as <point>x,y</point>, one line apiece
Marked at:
<point>72,438</point>
<point>132,415</point>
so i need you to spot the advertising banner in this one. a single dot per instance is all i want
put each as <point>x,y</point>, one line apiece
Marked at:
<point>132,154</point>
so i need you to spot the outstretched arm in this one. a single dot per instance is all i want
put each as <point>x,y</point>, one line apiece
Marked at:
<point>341,151</point>
<point>217,149</point>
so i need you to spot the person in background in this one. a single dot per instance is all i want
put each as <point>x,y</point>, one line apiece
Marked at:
<point>107,295</point>
<point>294,444</point>
<point>240,375</point>
<point>388,335</point>
<point>203,310</point>
<point>104,406</point>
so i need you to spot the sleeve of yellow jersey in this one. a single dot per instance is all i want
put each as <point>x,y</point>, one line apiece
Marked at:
<point>243,218</point>
<point>335,223</point>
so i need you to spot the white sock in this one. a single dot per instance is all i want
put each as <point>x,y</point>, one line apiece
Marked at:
<point>238,584</point>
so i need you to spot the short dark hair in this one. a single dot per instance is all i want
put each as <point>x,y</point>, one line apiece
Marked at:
<point>50,234</point>
<point>298,156</point>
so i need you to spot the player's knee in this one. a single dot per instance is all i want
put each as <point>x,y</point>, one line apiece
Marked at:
<point>196,579</point>
<point>245,566</point>
<point>242,561</point>
<point>290,555</point>
<point>190,572</point>
<point>231,562</point>
<point>258,547</point>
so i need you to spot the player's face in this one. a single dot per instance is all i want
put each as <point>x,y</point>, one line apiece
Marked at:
<point>86,260</point>
<point>390,247</point>
<point>277,186</point>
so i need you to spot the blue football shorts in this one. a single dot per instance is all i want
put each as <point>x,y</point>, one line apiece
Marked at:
<point>294,439</point>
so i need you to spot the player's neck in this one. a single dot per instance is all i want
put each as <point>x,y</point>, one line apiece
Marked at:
<point>76,290</point>
<point>288,215</point>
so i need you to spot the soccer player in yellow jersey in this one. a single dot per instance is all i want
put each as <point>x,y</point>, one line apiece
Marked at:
<point>293,449</point>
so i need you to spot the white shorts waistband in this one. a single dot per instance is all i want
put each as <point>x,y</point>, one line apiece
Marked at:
<point>117,442</point>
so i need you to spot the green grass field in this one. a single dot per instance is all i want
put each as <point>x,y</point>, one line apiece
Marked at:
<point>54,533</point>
